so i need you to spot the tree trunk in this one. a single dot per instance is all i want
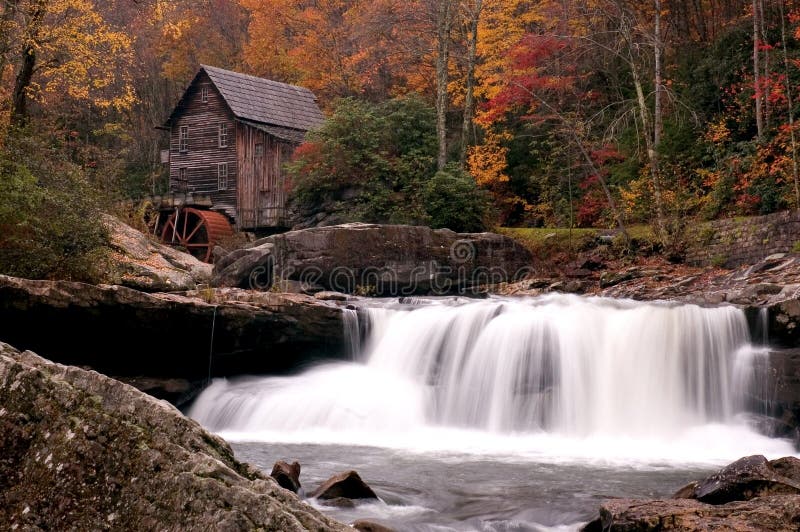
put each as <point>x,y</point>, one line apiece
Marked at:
<point>472,46</point>
<point>442,59</point>
<point>6,20</point>
<point>658,119</point>
<point>757,71</point>
<point>19,98</point>
<point>790,106</point>
<point>652,153</point>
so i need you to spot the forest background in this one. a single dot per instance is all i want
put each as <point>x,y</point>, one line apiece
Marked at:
<point>458,113</point>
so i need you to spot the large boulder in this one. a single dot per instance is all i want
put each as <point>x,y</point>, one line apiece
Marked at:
<point>141,263</point>
<point>250,267</point>
<point>81,451</point>
<point>188,336</point>
<point>371,259</point>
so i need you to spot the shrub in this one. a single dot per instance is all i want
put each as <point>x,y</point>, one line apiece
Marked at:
<point>49,214</point>
<point>453,200</point>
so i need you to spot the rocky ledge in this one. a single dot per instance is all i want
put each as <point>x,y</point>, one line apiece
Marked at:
<point>751,494</point>
<point>80,451</point>
<point>373,259</point>
<point>124,332</point>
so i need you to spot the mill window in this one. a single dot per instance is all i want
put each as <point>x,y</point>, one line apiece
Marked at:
<point>223,135</point>
<point>222,176</point>
<point>204,94</point>
<point>183,139</point>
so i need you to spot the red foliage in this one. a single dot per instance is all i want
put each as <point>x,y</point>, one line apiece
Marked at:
<point>592,204</point>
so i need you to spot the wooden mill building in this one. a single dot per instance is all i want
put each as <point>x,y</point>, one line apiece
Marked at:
<point>230,135</point>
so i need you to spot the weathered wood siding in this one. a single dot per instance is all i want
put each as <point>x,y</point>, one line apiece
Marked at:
<point>262,181</point>
<point>204,154</point>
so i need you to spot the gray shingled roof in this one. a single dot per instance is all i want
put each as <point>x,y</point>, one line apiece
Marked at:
<point>284,133</point>
<point>264,101</point>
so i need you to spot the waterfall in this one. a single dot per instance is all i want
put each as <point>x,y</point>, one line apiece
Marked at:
<point>559,365</point>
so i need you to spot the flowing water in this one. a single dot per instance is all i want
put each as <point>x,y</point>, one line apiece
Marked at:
<point>507,414</point>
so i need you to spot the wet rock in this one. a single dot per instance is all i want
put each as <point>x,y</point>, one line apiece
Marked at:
<point>82,451</point>
<point>347,485</point>
<point>744,479</point>
<point>779,513</point>
<point>141,263</point>
<point>287,475</point>
<point>362,525</point>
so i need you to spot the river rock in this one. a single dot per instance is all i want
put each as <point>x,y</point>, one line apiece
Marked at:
<point>287,475</point>
<point>188,336</point>
<point>347,485</point>
<point>371,259</point>
<point>81,451</point>
<point>141,263</point>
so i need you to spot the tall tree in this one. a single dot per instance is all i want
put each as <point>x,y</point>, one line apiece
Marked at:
<point>473,10</point>
<point>757,84</point>
<point>444,19</point>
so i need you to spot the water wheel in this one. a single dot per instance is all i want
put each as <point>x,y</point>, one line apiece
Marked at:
<point>196,230</point>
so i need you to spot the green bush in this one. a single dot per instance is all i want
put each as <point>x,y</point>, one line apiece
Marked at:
<point>49,214</point>
<point>453,200</point>
<point>377,163</point>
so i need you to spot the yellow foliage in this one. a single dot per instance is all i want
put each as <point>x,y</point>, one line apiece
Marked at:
<point>487,161</point>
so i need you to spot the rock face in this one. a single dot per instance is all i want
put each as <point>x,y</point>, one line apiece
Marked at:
<point>251,267</point>
<point>751,494</point>
<point>168,335</point>
<point>81,451</point>
<point>140,263</point>
<point>370,259</point>
<point>347,485</point>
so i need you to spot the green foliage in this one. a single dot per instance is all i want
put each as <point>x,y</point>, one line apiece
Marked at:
<point>49,214</point>
<point>453,200</point>
<point>377,163</point>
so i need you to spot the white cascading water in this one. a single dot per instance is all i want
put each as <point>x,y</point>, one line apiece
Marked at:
<point>563,373</point>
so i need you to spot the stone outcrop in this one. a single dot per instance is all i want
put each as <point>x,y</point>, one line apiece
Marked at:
<point>371,259</point>
<point>751,494</point>
<point>80,451</point>
<point>124,332</point>
<point>139,262</point>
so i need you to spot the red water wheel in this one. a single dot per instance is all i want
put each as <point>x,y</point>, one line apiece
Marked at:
<point>196,230</point>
